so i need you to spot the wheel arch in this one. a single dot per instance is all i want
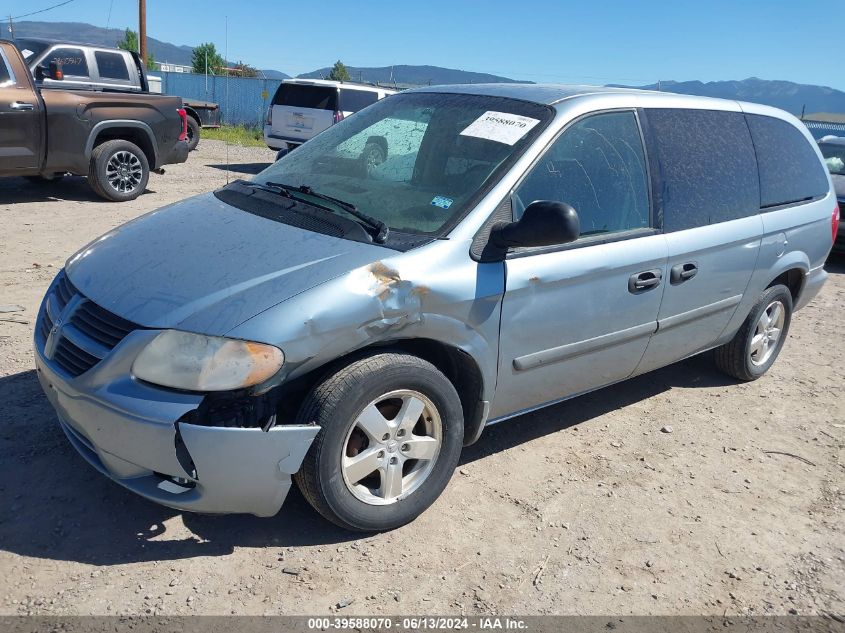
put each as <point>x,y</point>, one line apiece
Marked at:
<point>193,114</point>
<point>458,365</point>
<point>136,132</point>
<point>793,279</point>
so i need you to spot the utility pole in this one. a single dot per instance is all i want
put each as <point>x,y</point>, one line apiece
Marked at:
<point>11,28</point>
<point>142,30</point>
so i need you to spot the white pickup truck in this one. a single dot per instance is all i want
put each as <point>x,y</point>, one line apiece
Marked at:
<point>103,68</point>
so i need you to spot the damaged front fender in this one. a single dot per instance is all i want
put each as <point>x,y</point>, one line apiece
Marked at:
<point>435,292</point>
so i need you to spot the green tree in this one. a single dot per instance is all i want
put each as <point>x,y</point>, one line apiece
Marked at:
<point>339,72</point>
<point>130,43</point>
<point>207,54</point>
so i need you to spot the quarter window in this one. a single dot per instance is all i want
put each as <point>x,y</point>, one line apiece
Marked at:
<point>598,167</point>
<point>71,60</point>
<point>111,65</point>
<point>354,100</point>
<point>790,170</point>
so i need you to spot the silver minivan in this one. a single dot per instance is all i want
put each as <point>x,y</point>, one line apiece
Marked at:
<point>352,326</point>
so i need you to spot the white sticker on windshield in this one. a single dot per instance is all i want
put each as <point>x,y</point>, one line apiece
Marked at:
<point>501,127</point>
<point>26,53</point>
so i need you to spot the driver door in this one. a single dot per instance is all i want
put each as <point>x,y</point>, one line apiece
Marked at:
<point>20,115</point>
<point>579,316</point>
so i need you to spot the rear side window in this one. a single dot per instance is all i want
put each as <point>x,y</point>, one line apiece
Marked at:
<point>301,96</point>
<point>707,165</point>
<point>111,65</point>
<point>790,170</point>
<point>354,100</point>
<point>71,60</point>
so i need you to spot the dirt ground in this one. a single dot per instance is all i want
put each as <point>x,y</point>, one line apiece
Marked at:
<point>583,508</point>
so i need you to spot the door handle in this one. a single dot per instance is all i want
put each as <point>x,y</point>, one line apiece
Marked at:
<point>683,272</point>
<point>20,105</point>
<point>646,280</point>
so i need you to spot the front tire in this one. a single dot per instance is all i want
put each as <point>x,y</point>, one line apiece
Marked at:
<point>755,347</point>
<point>118,171</point>
<point>391,435</point>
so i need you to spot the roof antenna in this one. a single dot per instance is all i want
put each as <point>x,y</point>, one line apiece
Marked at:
<point>226,62</point>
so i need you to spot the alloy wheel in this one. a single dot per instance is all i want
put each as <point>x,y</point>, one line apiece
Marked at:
<point>124,171</point>
<point>767,333</point>
<point>391,448</point>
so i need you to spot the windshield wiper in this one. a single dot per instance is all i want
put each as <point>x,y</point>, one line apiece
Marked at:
<point>381,228</point>
<point>257,185</point>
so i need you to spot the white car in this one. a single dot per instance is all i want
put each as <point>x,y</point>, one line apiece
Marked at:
<point>302,108</point>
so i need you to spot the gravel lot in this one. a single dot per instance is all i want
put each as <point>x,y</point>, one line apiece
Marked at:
<point>583,508</point>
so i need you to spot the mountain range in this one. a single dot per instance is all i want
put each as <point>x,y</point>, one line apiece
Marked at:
<point>787,95</point>
<point>404,75</point>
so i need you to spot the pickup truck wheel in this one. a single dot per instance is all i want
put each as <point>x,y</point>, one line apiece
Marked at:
<point>193,133</point>
<point>752,350</point>
<point>118,170</point>
<point>390,438</point>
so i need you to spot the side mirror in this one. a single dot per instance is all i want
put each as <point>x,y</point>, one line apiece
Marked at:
<point>55,71</point>
<point>40,72</point>
<point>543,223</point>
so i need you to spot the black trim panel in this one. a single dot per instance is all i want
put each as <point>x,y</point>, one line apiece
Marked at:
<point>583,242</point>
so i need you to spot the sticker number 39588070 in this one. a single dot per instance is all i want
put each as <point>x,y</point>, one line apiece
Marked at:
<point>501,127</point>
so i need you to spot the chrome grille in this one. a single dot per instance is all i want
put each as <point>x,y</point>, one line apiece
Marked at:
<point>86,332</point>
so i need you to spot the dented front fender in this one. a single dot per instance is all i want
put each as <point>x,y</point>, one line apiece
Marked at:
<point>435,292</point>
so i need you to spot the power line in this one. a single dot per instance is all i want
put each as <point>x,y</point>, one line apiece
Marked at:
<point>55,6</point>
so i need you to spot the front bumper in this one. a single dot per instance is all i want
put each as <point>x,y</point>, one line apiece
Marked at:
<point>127,430</point>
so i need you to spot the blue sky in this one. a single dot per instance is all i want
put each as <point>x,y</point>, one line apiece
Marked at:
<point>588,42</point>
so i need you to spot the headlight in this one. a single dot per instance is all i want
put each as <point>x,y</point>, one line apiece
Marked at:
<point>195,362</point>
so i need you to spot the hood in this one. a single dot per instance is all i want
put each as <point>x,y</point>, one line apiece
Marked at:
<point>838,185</point>
<point>204,266</point>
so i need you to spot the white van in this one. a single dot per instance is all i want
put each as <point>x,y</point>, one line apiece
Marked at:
<point>302,108</point>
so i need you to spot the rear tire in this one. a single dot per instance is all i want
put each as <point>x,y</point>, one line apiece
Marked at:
<point>193,133</point>
<point>118,170</point>
<point>755,347</point>
<point>401,414</point>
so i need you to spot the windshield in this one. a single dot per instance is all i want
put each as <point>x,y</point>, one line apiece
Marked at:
<point>834,157</point>
<point>415,161</point>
